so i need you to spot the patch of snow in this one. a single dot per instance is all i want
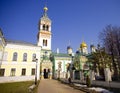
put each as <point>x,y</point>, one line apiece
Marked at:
<point>80,85</point>
<point>100,90</point>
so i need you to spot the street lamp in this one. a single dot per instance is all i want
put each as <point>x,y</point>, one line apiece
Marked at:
<point>36,60</point>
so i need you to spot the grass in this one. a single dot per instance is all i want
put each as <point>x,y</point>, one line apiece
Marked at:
<point>35,90</point>
<point>16,87</point>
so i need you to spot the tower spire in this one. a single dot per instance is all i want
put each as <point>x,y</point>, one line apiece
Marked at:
<point>45,11</point>
<point>44,34</point>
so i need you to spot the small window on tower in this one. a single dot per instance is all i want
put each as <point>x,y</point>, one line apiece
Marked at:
<point>45,42</point>
<point>47,28</point>
<point>44,27</point>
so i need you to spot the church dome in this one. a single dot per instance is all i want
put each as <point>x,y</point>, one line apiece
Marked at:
<point>45,8</point>
<point>69,47</point>
<point>83,44</point>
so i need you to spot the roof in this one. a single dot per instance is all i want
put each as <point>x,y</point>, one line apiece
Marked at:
<point>45,18</point>
<point>60,55</point>
<point>20,42</point>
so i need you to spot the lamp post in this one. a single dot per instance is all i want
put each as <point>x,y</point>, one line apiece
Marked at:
<point>36,60</point>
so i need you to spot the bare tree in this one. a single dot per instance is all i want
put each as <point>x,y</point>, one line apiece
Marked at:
<point>110,39</point>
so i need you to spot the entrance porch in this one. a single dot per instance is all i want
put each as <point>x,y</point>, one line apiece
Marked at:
<point>46,70</point>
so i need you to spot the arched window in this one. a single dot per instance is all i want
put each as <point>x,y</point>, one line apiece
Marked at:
<point>47,28</point>
<point>44,27</point>
<point>15,56</point>
<point>45,42</point>
<point>33,57</point>
<point>25,57</point>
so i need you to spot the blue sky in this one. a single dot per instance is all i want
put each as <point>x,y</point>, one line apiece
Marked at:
<point>72,20</point>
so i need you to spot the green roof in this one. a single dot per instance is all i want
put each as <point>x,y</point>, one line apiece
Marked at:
<point>60,55</point>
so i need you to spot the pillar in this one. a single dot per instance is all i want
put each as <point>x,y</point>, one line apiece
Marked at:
<point>50,74</point>
<point>97,73</point>
<point>73,77</point>
<point>81,76</point>
<point>107,73</point>
<point>42,74</point>
<point>68,74</point>
<point>92,75</point>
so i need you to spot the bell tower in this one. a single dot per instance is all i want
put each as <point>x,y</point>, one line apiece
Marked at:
<point>44,40</point>
<point>44,33</point>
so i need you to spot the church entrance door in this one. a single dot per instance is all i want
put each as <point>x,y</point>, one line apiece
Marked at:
<point>46,73</point>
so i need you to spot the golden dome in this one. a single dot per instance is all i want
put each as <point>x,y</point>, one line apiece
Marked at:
<point>45,8</point>
<point>83,44</point>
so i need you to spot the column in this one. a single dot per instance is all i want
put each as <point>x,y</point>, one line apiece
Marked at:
<point>92,75</point>
<point>81,77</point>
<point>97,73</point>
<point>50,74</point>
<point>42,74</point>
<point>73,75</point>
<point>107,74</point>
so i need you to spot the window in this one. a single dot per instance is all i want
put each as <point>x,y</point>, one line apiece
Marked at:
<point>23,72</point>
<point>25,57</point>
<point>33,57</point>
<point>2,71</point>
<point>44,42</point>
<point>12,72</point>
<point>44,27</point>
<point>33,71</point>
<point>15,56</point>
<point>47,28</point>
<point>5,56</point>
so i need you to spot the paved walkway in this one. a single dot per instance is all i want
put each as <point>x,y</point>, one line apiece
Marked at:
<point>54,86</point>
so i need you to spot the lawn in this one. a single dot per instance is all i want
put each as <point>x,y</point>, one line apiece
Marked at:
<point>16,87</point>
